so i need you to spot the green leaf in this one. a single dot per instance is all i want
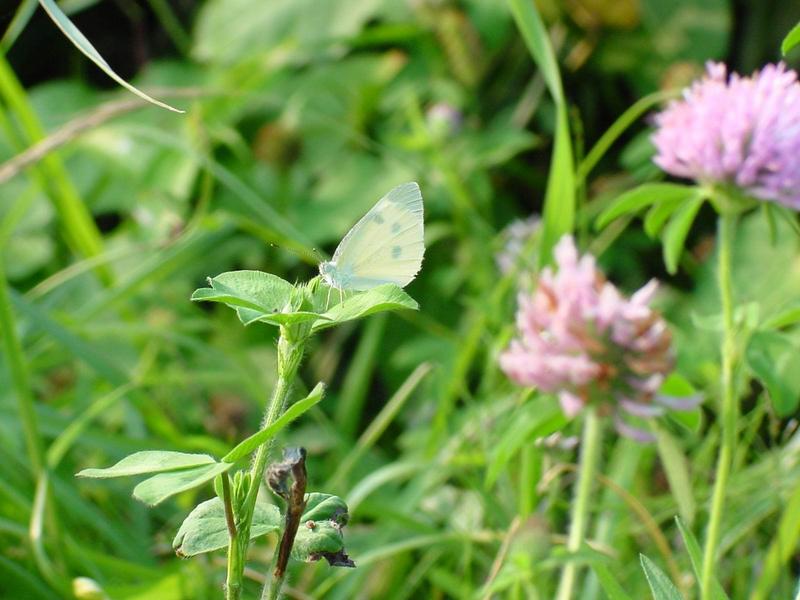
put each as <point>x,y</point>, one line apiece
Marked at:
<point>696,557</point>
<point>295,410</point>
<point>677,386</point>
<point>608,582</point>
<point>782,547</point>
<point>638,198</point>
<point>540,417</point>
<point>537,39</point>
<point>160,487</point>
<point>85,46</point>
<point>786,318</point>
<point>678,228</point>
<point>382,298</point>
<point>315,538</point>
<point>205,529</point>
<point>150,461</point>
<point>256,296</point>
<point>321,507</point>
<point>659,214</point>
<point>774,360</point>
<point>559,203</point>
<point>660,585</point>
<point>791,40</point>
<point>677,469</point>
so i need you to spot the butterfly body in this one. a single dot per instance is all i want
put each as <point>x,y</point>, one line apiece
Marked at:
<point>385,246</point>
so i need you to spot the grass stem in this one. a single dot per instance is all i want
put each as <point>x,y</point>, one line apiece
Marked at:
<point>728,408</point>
<point>591,443</point>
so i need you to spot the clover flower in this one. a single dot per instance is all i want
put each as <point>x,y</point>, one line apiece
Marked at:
<point>580,338</point>
<point>741,131</point>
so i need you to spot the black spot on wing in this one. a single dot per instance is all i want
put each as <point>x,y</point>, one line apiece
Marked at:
<point>395,227</point>
<point>396,251</point>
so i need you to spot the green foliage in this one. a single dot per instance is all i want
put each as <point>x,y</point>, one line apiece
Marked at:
<point>85,46</point>
<point>299,114</point>
<point>177,472</point>
<point>245,447</point>
<point>791,40</point>
<point>205,529</point>
<point>774,361</point>
<point>660,585</point>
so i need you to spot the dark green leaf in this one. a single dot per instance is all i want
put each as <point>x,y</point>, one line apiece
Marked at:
<point>150,461</point>
<point>160,487</point>
<point>205,529</point>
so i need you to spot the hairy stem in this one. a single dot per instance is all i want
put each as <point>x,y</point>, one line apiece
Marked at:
<point>590,450</point>
<point>289,356</point>
<point>728,407</point>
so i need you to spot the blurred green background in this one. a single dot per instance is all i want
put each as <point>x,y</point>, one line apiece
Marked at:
<point>299,115</point>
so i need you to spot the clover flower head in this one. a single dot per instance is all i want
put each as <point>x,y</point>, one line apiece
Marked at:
<point>733,130</point>
<point>580,338</point>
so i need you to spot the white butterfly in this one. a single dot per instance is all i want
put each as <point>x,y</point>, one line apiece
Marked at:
<point>385,246</point>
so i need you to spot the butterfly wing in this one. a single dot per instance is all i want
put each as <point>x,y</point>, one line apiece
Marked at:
<point>386,245</point>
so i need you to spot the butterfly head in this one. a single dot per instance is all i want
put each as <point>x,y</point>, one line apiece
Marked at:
<point>327,269</point>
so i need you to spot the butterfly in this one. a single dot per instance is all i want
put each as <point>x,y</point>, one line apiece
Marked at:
<point>385,246</point>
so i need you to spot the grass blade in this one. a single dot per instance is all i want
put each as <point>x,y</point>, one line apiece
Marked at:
<point>85,46</point>
<point>660,585</point>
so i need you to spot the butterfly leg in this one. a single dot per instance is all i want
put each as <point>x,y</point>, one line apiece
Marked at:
<point>328,299</point>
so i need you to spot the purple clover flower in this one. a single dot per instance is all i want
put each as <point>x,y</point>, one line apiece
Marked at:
<point>741,131</point>
<point>583,340</point>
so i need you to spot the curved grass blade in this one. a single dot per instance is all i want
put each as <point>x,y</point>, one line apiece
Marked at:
<point>85,46</point>
<point>791,40</point>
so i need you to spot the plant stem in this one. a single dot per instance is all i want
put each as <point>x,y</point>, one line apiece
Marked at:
<point>590,451</point>
<point>729,408</point>
<point>289,356</point>
<point>17,368</point>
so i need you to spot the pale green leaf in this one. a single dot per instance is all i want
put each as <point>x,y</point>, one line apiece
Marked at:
<point>205,529</point>
<point>696,557</point>
<point>160,487</point>
<point>382,298</point>
<point>150,461</point>
<point>660,585</point>
<point>677,469</point>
